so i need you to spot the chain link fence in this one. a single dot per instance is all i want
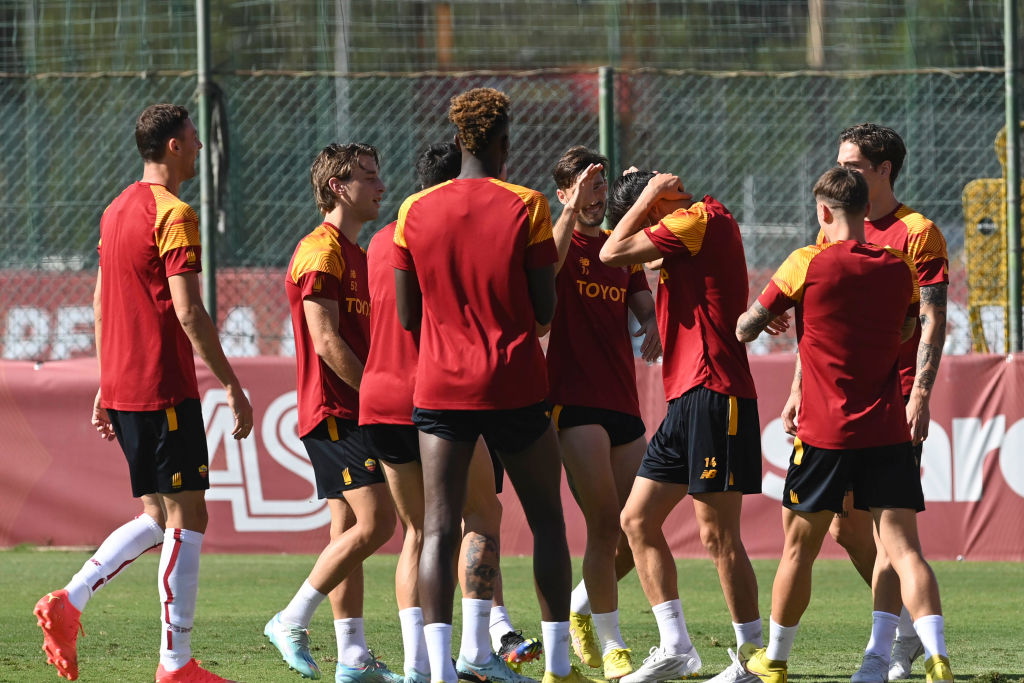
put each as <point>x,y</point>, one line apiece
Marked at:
<point>755,141</point>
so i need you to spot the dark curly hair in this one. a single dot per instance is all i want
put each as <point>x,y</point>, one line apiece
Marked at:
<point>624,193</point>
<point>479,114</point>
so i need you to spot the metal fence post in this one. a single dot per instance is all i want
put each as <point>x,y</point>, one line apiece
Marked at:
<point>1013,247</point>
<point>606,115</point>
<point>206,228</point>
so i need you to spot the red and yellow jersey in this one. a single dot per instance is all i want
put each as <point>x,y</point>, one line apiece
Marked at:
<point>703,290</point>
<point>390,373</point>
<point>851,300</point>
<point>147,235</point>
<point>470,242</point>
<point>326,265</point>
<point>908,231</point>
<point>590,357</point>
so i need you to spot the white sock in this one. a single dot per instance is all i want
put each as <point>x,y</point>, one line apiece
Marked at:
<point>116,552</point>
<point>351,637</point>
<point>476,643</point>
<point>500,624</point>
<point>780,641</point>
<point>749,632</point>
<point>579,601</point>
<point>555,636</point>
<point>675,639</point>
<point>608,633</point>
<point>931,629</point>
<point>178,583</point>
<point>299,611</point>
<point>439,649</point>
<point>413,642</point>
<point>883,630</point>
<point>906,627</point>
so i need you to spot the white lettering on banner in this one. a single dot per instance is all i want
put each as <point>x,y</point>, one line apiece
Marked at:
<point>74,331</point>
<point>239,482</point>
<point>948,474</point>
<point>27,333</point>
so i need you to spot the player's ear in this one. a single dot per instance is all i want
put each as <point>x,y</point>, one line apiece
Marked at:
<point>457,141</point>
<point>336,186</point>
<point>561,196</point>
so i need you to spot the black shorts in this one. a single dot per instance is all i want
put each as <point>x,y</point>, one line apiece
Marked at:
<point>622,428</point>
<point>165,449</point>
<point>341,457</point>
<point>395,444</point>
<point>505,431</point>
<point>880,477</point>
<point>708,441</point>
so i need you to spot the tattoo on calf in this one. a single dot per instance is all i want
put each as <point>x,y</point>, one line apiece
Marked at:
<point>481,564</point>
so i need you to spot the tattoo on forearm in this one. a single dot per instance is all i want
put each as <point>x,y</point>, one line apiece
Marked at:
<point>481,565</point>
<point>928,358</point>
<point>934,295</point>
<point>753,322</point>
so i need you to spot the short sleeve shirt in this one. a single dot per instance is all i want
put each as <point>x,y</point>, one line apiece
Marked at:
<point>702,292</point>
<point>590,357</point>
<point>147,235</point>
<point>390,374</point>
<point>470,243</point>
<point>326,265</point>
<point>851,300</point>
<point>906,230</point>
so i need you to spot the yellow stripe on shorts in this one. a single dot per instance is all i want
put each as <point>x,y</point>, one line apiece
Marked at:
<point>556,413</point>
<point>332,428</point>
<point>734,415</point>
<point>172,419</point>
<point>798,451</point>
<point>347,476</point>
<point>793,497</point>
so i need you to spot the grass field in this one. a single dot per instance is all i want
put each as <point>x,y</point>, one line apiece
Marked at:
<point>983,603</point>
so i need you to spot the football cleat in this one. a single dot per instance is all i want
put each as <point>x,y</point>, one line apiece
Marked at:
<point>617,663</point>
<point>735,673</point>
<point>662,666</point>
<point>574,676</point>
<point>515,649</point>
<point>904,652</point>
<point>874,669</point>
<point>190,673</point>
<point>767,670</point>
<point>937,669</point>
<point>293,644</point>
<point>495,670</point>
<point>375,671</point>
<point>584,641</point>
<point>61,622</point>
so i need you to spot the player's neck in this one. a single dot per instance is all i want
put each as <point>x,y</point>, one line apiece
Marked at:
<point>843,230</point>
<point>883,206</point>
<point>346,224</point>
<point>479,167</point>
<point>161,174</point>
<point>588,230</point>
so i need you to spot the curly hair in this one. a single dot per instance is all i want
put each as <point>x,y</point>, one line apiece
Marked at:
<point>438,163</point>
<point>478,114</point>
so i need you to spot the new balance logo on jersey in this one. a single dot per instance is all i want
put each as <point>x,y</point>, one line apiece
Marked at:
<point>593,290</point>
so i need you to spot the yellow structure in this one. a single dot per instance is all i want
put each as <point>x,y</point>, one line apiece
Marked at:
<point>984,201</point>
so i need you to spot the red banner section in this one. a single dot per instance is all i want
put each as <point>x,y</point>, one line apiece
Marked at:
<point>65,486</point>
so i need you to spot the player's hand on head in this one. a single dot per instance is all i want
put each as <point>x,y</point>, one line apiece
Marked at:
<point>242,410</point>
<point>667,186</point>
<point>631,169</point>
<point>578,194</point>
<point>101,420</point>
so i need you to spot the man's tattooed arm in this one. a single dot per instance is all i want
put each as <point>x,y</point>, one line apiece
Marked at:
<point>753,322</point>
<point>933,335</point>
